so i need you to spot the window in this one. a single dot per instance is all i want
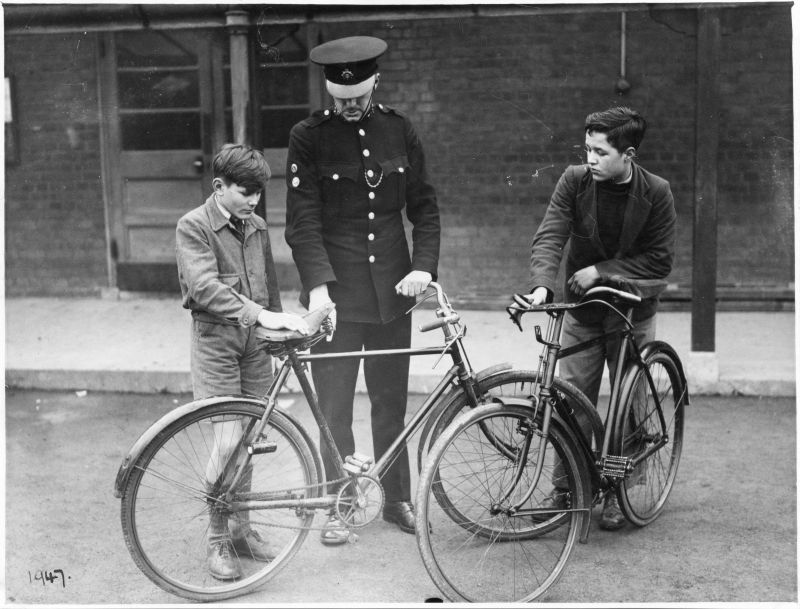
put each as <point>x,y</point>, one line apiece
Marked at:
<point>281,81</point>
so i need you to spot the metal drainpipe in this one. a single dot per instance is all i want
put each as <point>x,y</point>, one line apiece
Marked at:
<point>622,85</point>
<point>238,24</point>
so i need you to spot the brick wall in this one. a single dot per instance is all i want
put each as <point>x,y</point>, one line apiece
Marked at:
<point>54,223</point>
<point>499,104</point>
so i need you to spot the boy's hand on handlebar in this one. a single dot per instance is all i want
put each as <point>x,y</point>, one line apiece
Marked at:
<point>414,284</point>
<point>538,296</point>
<point>584,279</point>
<point>282,321</point>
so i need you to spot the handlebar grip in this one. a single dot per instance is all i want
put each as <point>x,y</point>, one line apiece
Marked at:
<point>439,323</point>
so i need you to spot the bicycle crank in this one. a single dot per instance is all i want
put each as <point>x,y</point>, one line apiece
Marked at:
<point>359,501</point>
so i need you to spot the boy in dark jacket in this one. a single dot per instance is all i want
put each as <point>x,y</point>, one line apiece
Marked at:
<point>619,220</point>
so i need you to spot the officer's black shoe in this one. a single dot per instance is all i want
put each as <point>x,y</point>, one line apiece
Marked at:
<point>401,513</point>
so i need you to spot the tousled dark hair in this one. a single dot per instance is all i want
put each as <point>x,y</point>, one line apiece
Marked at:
<point>242,165</point>
<point>623,127</point>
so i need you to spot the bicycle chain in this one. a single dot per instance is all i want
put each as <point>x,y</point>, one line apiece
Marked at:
<point>306,487</point>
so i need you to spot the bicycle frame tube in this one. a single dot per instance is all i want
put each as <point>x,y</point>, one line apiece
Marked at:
<point>460,370</point>
<point>616,386</point>
<point>544,392</point>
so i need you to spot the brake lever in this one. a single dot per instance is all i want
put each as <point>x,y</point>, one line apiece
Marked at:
<point>421,300</point>
<point>515,313</point>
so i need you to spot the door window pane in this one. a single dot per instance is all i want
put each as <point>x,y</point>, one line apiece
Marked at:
<point>153,49</point>
<point>158,90</point>
<point>282,81</point>
<point>161,131</point>
<point>281,85</point>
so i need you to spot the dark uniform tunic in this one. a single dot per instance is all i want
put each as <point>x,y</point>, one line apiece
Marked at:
<point>348,183</point>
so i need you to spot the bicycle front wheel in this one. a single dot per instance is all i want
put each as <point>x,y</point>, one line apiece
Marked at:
<point>171,513</point>
<point>650,428</point>
<point>473,549</point>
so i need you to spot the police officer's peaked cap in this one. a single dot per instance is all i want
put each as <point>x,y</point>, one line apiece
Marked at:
<point>349,64</point>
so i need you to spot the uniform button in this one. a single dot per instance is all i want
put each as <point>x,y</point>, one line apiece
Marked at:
<point>372,195</point>
<point>294,167</point>
<point>327,112</point>
<point>362,133</point>
<point>366,152</point>
<point>295,182</point>
<point>372,258</point>
<point>371,237</point>
<point>335,176</point>
<point>370,173</point>
<point>401,169</point>
<point>371,215</point>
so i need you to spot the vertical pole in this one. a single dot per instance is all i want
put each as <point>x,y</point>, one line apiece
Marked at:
<point>704,258</point>
<point>238,22</point>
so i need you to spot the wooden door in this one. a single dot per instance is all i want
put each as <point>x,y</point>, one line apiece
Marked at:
<point>166,116</point>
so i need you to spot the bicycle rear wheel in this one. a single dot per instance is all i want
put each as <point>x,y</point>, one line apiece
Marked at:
<point>471,550</point>
<point>168,503</point>
<point>509,383</point>
<point>639,430</point>
<point>495,389</point>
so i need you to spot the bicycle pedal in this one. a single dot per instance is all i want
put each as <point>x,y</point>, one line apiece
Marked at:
<point>613,466</point>
<point>260,448</point>
<point>357,463</point>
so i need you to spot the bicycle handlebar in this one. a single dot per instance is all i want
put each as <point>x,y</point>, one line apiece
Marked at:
<point>521,305</point>
<point>439,323</point>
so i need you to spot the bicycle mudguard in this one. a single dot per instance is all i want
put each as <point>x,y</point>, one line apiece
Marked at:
<point>453,391</point>
<point>660,345</point>
<point>580,456</point>
<point>173,415</point>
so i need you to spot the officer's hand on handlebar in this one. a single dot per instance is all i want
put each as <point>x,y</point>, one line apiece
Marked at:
<point>318,297</point>
<point>414,284</point>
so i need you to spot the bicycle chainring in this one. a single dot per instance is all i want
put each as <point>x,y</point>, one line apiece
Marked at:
<point>359,501</point>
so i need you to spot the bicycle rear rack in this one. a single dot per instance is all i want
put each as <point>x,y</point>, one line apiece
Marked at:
<point>613,466</point>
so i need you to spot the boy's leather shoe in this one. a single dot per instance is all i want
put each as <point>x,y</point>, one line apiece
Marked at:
<point>221,561</point>
<point>612,517</point>
<point>252,545</point>
<point>334,532</point>
<point>401,513</point>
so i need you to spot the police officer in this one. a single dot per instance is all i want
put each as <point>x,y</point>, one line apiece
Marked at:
<point>351,171</point>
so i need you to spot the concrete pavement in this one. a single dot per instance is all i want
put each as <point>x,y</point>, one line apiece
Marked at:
<point>141,344</point>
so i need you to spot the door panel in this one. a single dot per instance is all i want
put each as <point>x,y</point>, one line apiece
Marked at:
<point>165,113</point>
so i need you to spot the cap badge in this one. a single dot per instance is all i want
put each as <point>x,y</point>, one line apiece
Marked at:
<point>347,74</point>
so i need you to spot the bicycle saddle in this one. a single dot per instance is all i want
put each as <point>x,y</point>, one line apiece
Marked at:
<point>314,319</point>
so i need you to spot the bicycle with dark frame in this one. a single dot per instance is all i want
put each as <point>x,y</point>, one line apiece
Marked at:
<point>484,528</point>
<point>267,471</point>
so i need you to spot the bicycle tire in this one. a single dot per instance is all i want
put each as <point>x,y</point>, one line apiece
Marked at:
<point>644,492</point>
<point>166,509</point>
<point>505,566</point>
<point>507,383</point>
